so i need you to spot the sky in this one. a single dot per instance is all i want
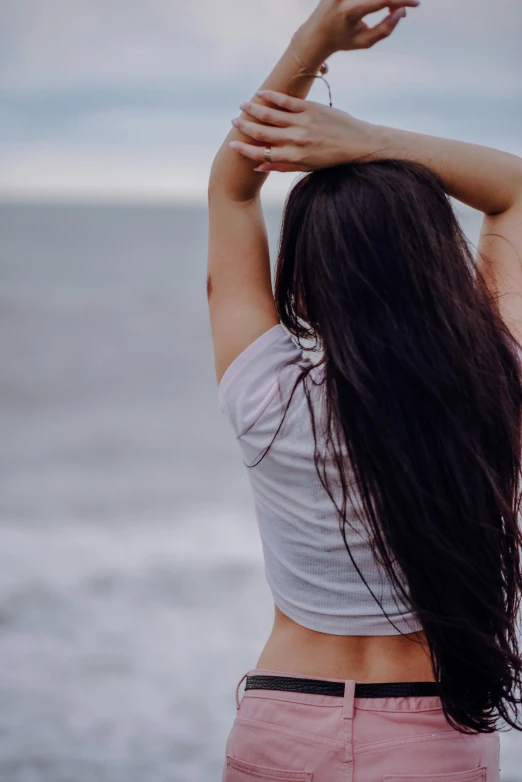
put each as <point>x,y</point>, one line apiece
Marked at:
<point>131,99</point>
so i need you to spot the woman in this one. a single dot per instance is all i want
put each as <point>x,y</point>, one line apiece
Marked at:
<point>385,472</point>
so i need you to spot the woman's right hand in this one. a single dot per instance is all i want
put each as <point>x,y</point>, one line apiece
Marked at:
<point>304,135</point>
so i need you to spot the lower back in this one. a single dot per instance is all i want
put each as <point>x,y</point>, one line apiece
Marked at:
<point>293,648</point>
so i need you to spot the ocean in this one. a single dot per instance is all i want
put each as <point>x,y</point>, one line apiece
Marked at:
<point>132,594</point>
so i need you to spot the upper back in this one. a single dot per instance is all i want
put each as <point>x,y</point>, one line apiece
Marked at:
<point>307,565</point>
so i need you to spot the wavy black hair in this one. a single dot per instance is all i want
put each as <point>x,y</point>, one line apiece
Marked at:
<point>423,390</point>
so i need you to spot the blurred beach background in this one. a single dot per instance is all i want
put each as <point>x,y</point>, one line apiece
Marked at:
<point>132,595</point>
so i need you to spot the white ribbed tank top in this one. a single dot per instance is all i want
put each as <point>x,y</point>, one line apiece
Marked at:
<point>307,566</point>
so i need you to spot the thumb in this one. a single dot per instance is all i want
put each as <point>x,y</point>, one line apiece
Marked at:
<point>282,168</point>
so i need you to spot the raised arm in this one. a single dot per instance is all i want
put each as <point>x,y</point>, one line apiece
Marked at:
<point>239,281</point>
<point>335,25</point>
<point>486,179</point>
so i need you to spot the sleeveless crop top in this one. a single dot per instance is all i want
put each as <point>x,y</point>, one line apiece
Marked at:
<point>307,566</point>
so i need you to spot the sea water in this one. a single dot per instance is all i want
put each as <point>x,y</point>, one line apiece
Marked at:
<point>132,594</point>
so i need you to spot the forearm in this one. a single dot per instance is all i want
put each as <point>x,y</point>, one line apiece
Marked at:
<point>484,178</point>
<point>234,175</point>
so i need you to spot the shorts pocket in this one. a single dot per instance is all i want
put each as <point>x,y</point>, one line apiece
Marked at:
<point>473,775</point>
<point>240,771</point>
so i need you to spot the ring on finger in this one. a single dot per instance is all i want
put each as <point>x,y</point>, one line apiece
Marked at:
<point>266,154</point>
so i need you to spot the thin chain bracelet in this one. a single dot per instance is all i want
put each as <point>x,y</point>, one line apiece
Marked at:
<point>322,71</point>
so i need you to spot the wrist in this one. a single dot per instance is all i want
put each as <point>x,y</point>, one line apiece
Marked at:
<point>379,142</point>
<point>363,140</point>
<point>390,142</point>
<point>314,41</point>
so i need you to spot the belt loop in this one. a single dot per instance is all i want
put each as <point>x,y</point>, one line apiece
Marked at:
<point>348,701</point>
<point>348,715</point>
<point>238,704</point>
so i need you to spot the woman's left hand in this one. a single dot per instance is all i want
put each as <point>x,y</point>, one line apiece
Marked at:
<point>303,135</point>
<point>341,22</point>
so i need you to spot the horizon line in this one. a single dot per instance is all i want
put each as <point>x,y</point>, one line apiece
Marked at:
<point>101,199</point>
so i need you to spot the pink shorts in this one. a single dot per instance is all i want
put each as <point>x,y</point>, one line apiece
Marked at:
<point>309,737</point>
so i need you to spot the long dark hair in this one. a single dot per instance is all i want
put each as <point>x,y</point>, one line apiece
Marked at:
<point>423,389</point>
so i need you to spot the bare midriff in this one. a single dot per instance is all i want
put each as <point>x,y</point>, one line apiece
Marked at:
<point>292,648</point>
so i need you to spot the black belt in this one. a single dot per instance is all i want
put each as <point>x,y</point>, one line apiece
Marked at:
<point>323,687</point>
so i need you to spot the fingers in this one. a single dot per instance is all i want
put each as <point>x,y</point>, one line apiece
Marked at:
<point>251,151</point>
<point>373,35</point>
<point>274,132</point>
<point>283,100</point>
<point>282,168</point>
<point>266,133</point>
<point>278,155</point>
<point>370,6</point>
<point>267,115</point>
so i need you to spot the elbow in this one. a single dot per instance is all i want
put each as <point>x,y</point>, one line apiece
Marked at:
<point>518,174</point>
<point>517,179</point>
<point>512,188</point>
<point>213,180</point>
<point>516,170</point>
<point>209,191</point>
<point>218,184</point>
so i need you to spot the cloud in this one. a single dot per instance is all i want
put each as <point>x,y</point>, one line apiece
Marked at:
<point>81,80</point>
<point>132,44</point>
